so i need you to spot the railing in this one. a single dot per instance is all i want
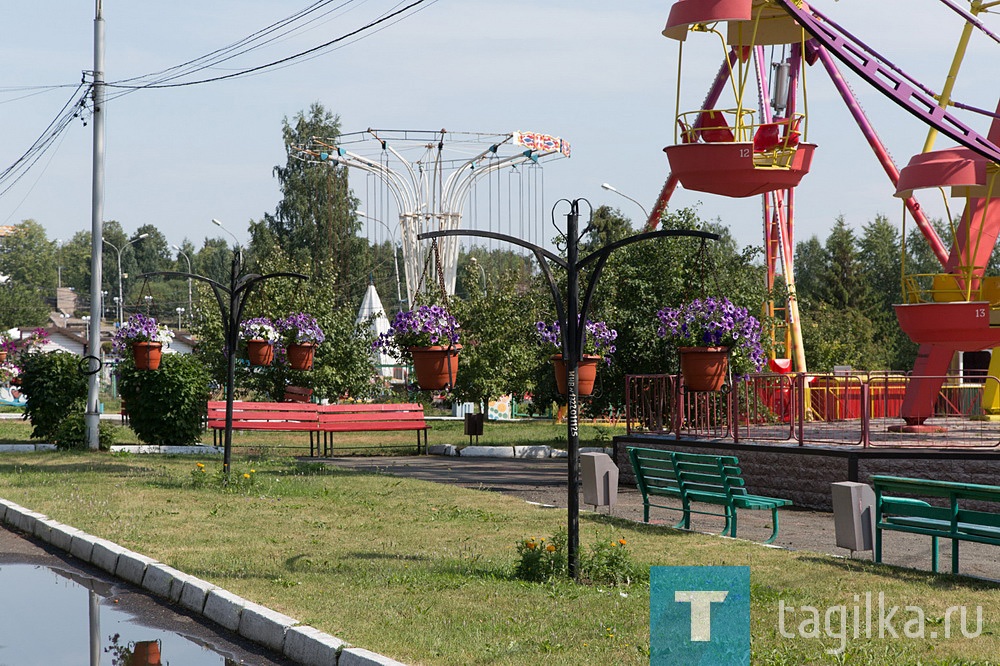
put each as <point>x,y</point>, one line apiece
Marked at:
<point>856,409</point>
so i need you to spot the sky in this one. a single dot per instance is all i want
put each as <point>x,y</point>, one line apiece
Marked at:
<point>598,74</point>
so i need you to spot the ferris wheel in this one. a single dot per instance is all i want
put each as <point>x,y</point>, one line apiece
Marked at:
<point>754,141</point>
<point>440,180</point>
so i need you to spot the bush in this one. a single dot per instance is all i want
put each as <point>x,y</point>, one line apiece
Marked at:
<point>55,390</point>
<point>72,433</point>
<point>166,406</point>
<point>542,560</point>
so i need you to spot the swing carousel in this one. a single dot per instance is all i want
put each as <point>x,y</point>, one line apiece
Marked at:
<point>441,180</point>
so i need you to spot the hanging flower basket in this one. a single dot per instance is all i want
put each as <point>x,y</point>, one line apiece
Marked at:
<point>300,355</point>
<point>704,368</point>
<point>586,374</point>
<point>260,352</point>
<point>435,367</point>
<point>147,355</point>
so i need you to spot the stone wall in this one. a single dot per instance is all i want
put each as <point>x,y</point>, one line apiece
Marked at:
<point>804,474</point>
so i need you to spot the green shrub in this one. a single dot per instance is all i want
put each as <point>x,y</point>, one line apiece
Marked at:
<point>542,560</point>
<point>72,433</point>
<point>55,389</point>
<point>609,562</point>
<point>166,406</point>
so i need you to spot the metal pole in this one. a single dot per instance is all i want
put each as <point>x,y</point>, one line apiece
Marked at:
<point>92,416</point>
<point>121,299</point>
<point>190,309</point>
<point>571,344</point>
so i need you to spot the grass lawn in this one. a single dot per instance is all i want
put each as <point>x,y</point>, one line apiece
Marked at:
<point>422,572</point>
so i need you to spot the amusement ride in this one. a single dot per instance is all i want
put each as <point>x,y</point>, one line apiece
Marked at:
<point>749,137</point>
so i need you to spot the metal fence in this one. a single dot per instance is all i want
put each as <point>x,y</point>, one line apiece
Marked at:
<point>856,409</point>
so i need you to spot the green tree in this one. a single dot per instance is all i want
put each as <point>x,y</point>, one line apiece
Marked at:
<point>810,265</point>
<point>499,344</point>
<point>28,257</point>
<point>21,306</point>
<point>842,283</point>
<point>314,222</point>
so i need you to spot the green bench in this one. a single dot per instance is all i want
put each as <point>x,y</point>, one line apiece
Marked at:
<point>698,478</point>
<point>897,508</point>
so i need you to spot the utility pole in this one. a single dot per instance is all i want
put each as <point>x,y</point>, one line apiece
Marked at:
<point>93,415</point>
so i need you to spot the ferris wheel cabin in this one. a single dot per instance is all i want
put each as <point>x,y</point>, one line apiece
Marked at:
<point>735,152</point>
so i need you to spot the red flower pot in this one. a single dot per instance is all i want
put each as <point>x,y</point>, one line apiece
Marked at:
<point>147,355</point>
<point>435,367</point>
<point>586,374</point>
<point>300,356</point>
<point>704,368</point>
<point>260,352</point>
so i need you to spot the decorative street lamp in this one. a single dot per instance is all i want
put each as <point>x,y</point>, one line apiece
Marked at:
<point>609,188</point>
<point>118,252</point>
<point>572,315</point>
<point>180,311</point>
<point>231,300</point>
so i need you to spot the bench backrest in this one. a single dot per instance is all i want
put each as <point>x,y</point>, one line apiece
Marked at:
<point>954,491</point>
<point>360,417</point>
<point>654,471</point>
<point>295,415</point>
<point>659,472</point>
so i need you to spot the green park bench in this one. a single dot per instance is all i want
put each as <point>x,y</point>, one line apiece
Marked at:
<point>698,478</point>
<point>898,508</point>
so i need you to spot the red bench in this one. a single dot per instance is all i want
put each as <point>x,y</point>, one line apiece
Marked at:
<point>272,416</point>
<point>315,419</point>
<point>371,418</point>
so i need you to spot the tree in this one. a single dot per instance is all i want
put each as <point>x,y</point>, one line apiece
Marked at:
<point>842,283</point>
<point>21,306</point>
<point>499,344</point>
<point>314,222</point>
<point>810,265</point>
<point>28,257</point>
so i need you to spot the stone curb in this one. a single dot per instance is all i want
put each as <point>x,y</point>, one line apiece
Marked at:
<point>26,448</point>
<point>283,634</point>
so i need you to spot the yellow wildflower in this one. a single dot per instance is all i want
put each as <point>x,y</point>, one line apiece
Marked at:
<point>550,548</point>
<point>201,465</point>
<point>246,476</point>
<point>530,545</point>
<point>622,541</point>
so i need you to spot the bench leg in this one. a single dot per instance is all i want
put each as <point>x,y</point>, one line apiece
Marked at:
<point>878,544</point>
<point>730,522</point>
<point>954,556</point>
<point>774,526</point>
<point>934,554</point>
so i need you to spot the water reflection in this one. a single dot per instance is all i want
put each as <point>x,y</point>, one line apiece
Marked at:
<point>54,617</point>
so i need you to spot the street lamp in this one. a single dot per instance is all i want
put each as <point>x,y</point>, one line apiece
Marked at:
<point>474,262</point>
<point>118,252</point>
<point>190,306</point>
<point>180,311</point>
<point>222,226</point>
<point>104,303</point>
<point>609,188</point>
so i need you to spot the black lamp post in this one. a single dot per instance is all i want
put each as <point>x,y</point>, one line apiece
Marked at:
<point>231,301</point>
<point>572,315</point>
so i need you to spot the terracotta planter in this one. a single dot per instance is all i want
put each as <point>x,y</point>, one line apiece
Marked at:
<point>147,355</point>
<point>3,355</point>
<point>300,356</point>
<point>586,374</point>
<point>435,367</point>
<point>146,653</point>
<point>704,368</point>
<point>260,352</point>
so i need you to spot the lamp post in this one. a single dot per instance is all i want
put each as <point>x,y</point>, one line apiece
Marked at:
<point>609,188</point>
<point>572,313</point>
<point>223,227</point>
<point>190,305</point>
<point>104,303</point>
<point>118,252</point>
<point>180,311</point>
<point>231,299</point>
<point>474,262</point>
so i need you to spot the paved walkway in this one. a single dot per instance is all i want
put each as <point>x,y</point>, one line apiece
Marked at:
<point>545,481</point>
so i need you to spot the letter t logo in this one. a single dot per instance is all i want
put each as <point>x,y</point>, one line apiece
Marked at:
<point>701,610</point>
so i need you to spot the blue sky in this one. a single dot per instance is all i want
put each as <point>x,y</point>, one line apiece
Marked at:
<point>596,73</point>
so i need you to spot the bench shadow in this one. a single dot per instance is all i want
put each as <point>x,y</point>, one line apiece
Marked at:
<point>941,581</point>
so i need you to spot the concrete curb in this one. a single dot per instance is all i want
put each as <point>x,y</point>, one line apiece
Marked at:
<point>278,632</point>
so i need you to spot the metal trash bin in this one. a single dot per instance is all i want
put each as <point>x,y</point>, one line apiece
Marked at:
<point>853,515</point>
<point>599,476</point>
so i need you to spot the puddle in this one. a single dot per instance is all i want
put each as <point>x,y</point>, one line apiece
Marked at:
<point>56,616</point>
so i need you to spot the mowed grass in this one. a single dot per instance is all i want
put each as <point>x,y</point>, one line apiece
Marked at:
<point>421,572</point>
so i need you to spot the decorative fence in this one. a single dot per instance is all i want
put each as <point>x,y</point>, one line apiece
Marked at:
<point>809,408</point>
